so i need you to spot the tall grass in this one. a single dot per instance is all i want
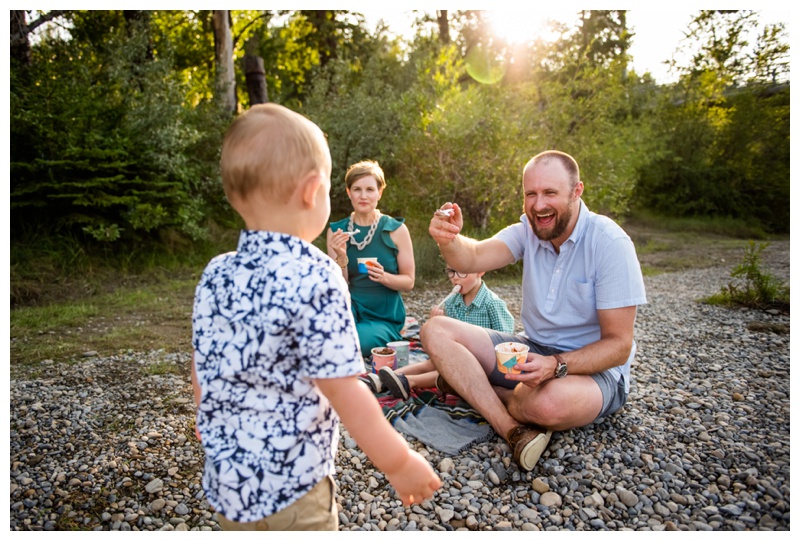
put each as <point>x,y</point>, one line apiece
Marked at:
<point>46,268</point>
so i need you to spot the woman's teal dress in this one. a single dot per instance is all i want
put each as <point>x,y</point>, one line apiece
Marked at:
<point>379,312</point>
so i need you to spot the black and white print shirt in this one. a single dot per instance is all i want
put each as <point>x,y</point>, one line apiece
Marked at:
<point>268,319</point>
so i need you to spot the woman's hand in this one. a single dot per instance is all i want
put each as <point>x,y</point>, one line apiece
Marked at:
<point>338,243</point>
<point>375,271</point>
<point>337,248</point>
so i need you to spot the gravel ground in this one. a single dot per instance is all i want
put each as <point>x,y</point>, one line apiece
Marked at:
<point>702,444</point>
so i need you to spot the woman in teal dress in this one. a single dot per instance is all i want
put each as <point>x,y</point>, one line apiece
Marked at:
<point>376,298</point>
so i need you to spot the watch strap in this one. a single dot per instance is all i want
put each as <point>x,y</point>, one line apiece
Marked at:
<point>559,362</point>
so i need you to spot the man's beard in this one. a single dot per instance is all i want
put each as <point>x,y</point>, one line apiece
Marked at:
<point>557,229</point>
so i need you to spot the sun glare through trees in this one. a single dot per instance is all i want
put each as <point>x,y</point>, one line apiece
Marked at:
<point>517,27</point>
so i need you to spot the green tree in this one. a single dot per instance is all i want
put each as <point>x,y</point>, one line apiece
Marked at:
<point>717,39</point>
<point>589,105</point>
<point>101,142</point>
<point>725,129</point>
<point>770,58</point>
<point>358,103</point>
<point>295,52</point>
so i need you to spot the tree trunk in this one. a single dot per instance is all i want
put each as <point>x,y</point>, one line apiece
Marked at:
<point>623,31</point>
<point>20,46</point>
<point>256,79</point>
<point>223,55</point>
<point>324,35</point>
<point>20,28</point>
<point>444,26</point>
<point>139,21</point>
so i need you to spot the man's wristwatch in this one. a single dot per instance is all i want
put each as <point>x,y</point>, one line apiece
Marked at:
<point>346,261</point>
<point>561,367</point>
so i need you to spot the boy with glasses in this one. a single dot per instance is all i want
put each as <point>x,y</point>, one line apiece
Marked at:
<point>476,304</point>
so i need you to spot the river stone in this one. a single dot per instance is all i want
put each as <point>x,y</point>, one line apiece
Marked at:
<point>550,499</point>
<point>540,485</point>
<point>627,497</point>
<point>156,485</point>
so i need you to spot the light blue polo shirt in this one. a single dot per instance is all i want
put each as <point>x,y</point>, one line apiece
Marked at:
<point>596,269</point>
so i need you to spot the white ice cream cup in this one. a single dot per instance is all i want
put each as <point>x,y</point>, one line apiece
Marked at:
<point>510,354</point>
<point>363,263</point>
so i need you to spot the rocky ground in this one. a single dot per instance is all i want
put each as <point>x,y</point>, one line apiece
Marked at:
<point>702,444</point>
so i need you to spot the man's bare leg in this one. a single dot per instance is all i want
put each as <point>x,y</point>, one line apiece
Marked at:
<point>463,354</point>
<point>556,404</point>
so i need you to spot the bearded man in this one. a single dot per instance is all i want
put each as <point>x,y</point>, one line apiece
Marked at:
<point>581,286</point>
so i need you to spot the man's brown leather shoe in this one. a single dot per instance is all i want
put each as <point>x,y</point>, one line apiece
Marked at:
<point>527,445</point>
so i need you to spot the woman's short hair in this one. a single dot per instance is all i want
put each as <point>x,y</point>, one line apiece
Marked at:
<point>363,169</point>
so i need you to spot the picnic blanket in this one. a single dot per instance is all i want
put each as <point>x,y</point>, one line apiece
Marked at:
<point>441,421</point>
<point>444,422</point>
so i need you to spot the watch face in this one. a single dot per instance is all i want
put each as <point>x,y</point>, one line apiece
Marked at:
<point>561,370</point>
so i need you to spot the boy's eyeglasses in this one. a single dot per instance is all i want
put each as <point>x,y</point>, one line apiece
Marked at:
<point>451,272</point>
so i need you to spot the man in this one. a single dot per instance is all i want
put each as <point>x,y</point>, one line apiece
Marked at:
<point>581,286</point>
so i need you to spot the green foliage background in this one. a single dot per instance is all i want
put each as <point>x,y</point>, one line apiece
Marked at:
<point>115,131</point>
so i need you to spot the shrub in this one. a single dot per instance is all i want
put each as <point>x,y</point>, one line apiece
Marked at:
<point>751,286</point>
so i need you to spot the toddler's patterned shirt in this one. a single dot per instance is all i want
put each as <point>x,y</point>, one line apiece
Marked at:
<point>268,319</point>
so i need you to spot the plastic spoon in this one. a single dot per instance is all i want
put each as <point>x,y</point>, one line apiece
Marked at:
<point>456,289</point>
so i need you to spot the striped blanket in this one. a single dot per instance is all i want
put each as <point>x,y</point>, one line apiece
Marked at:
<point>444,422</point>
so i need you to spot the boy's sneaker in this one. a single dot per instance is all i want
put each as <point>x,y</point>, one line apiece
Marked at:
<point>396,383</point>
<point>372,381</point>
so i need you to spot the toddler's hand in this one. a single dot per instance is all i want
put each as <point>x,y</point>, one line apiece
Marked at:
<point>437,311</point>
<point>415,480</point>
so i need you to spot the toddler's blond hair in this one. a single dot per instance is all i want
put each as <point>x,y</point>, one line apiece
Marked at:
<point>271,148</point>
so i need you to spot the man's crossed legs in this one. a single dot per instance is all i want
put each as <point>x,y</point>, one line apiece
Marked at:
<point>524,415</point>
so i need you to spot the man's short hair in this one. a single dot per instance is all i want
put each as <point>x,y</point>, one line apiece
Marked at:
<point>567,162</point>
<point>271,148</point>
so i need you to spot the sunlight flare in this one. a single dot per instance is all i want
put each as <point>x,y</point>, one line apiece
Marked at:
<point>517,26</point>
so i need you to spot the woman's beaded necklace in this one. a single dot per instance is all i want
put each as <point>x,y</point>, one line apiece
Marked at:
<point>361,245</point>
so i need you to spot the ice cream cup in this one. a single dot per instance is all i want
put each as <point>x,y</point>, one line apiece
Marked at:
<point>508,355</point>
<point>401,348</point>
<point>383,357</point>
<point>363,262</point>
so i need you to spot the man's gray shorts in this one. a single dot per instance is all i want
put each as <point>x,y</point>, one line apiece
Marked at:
<point>613,390</point>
